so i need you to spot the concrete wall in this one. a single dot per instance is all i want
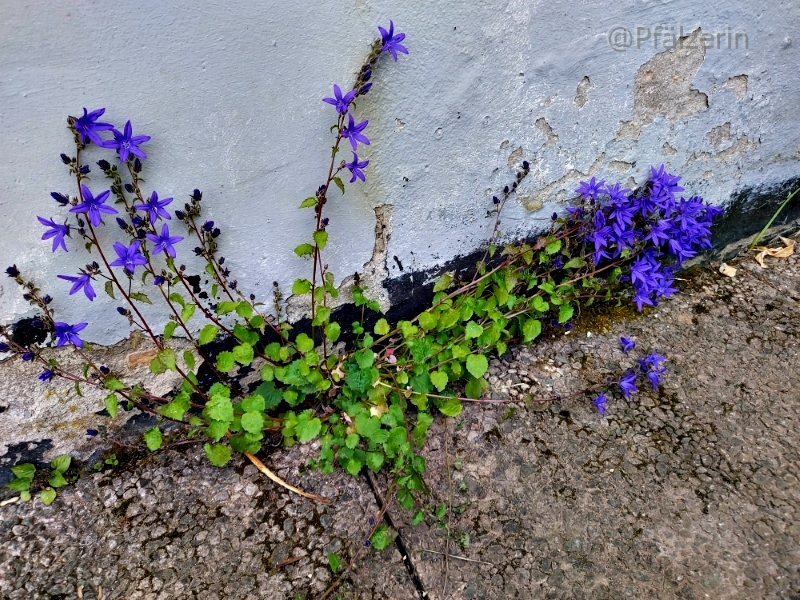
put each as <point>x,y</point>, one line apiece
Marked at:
<point>230,92</point>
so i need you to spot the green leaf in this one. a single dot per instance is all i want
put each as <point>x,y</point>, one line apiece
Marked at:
<point>477,365</point>
<point>187,312</point>
<point>177,408</point>
<point>304,250</point>
<point>419,517</point>
<point>61,463</point>
<point>157,367</point>
<point>20,484</point>
<point>365,358</point>
<point>111,403</point>
<point>473,389</point>
<point>47,496</point>
<point>109,288</point>
<point>225,361</point>
<point>308,202</point>
<point>224,308</point>
<point>218,454</point>
<point>113,384</point>
<point>375,461</point>
<point>207,334</point>
<point>217,430</point>
<point>271,395</point>
<point>539,304</point>
<point>339,184</point>
<point>301,286</point>
<point>323,316</point>
<point>254,403</point>
<point>451,407</point>
<point>531,330</point>
<point>553,247</point>
<point>188,358</point>
<point>304,343</point>
<point>353,466</point>
<point>167,358</point>
<point>428,320</point>
<point>381,538</point>
<point>472,330</point>
<point>333,562</point>
<point>381,327</point>
<point>321,238</point>
<point>243,354</point>
<point>439,379</point>
<point>244,310</point>
<point>245,335</point>
<point>367,426</point>
<point>575,263</point>
<point>57,479</point>
<point>333,331</point>
<point>141,297</point>
<point>443,282</point>
<point>351,441</point>
<point>565,313</point>
<point>169,329</point>
<point>153,439</point>
<point>267,373</point>
<point>252,422</point>
<point>307,430</point>
<point>219,408</point>
<point>24,470</point>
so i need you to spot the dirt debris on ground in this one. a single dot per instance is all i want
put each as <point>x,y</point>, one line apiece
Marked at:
<point>690,491</point>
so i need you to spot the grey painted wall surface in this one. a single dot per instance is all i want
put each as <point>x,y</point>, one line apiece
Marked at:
<point>230,92</point>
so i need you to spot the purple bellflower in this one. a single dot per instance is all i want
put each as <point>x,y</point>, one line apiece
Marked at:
<point>356,168</point>
<point>56,231</point>
<point>163,242</point>
<point>627,345</point>
<point>391,41</point>
<point>46,375</point>
<point>353,132</point>
<point>81,282</point>
<point>93,206</point>
<point>88,127</point>
<point>339,101</point>
<point>129,257</point>
<point>627,384</point>
<point>126,143</point>
<point>591,189</point>
<point>69,334</point>
<point>600,403</point>
<point>155,208</point>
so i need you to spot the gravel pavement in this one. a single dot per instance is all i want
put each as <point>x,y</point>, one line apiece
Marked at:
<point>690,491</point>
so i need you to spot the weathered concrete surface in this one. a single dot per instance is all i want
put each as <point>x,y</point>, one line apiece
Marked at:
<point>688,492</point>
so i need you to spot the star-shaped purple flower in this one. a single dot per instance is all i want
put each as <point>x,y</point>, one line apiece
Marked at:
<point>93,206</point>
<point>88,127</point>
<point>163,242</point>
<point>591,189</point>
<point>57,231</point>
<point>129,256</point>
<point>356,168</point>
<point>81,282</point>
<point>126,143</point>
<point>69,333</point>
<point>339,101</point>
<point>353,132</point>
<point>391,41</point>
<point>155,208</point>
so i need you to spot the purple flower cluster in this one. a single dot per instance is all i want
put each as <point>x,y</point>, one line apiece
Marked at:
<point>352,131</point>
<point>660,228</point>
<point>125,143</point>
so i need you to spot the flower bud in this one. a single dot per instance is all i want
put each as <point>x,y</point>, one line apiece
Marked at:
<point>104,164</point>
<point>12,271</point>
<point>137,166</point>
<point>60,198</point>
<point>66,159</point>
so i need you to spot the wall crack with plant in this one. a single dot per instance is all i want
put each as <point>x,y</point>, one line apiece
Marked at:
<point>368,390</point>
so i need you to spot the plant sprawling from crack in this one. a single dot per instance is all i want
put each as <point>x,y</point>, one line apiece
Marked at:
<point>369,403</point>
